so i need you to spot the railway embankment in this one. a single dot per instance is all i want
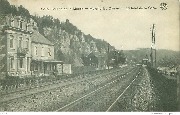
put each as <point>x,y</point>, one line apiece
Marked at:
<point>151,91</point>
<point>165,90</point>
<point>139,97</point>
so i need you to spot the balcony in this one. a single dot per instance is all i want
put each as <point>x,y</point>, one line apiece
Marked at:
<point>22,51</point>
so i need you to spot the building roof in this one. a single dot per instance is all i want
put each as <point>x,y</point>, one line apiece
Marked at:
<point>97,54</point>
<point>38,38</point>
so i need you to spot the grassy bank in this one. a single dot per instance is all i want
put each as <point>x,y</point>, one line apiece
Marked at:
<point>165,89</point>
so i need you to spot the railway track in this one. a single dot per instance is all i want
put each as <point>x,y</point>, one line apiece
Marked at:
<point>92,97</point>
<point>111,106</point>
<point>52,86</point>
<point>45,84</point>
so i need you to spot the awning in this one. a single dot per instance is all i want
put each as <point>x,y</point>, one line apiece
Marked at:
<point>53,61</point>
<point>48,61</point>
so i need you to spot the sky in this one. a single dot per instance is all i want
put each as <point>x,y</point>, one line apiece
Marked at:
<point>125,28</point>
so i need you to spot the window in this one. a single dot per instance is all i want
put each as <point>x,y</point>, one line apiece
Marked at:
<point>11,41</point>
<point>21,62</point>
<point>27,43</point>
<point>12,23</point>
<point>49,51</point>
<point>50,67</point>
<point>36,66</point>
<point>27,64</point>
<point>26,27</point>
<point>20,42</point>
<point>20,24</point>
<point>12,62</point>
<point>35,50</point>
<point>42,51</point>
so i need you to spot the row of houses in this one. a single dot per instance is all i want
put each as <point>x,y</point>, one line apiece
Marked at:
<point>24,51</point>
<point>167,70</point>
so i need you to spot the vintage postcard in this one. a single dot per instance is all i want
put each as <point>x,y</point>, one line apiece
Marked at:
<point>89,56</point>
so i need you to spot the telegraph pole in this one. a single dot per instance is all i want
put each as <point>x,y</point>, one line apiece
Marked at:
<point>153,48</point>
<point>151,55</point>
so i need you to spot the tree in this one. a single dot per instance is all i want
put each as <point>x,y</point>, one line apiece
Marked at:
<point>5,7</point>
<point>23,12</point>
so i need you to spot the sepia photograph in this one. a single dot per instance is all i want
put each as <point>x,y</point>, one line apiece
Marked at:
<point>90,56</point>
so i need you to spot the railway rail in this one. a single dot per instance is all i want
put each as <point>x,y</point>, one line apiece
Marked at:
<point>111,106</point>
<point>67,77</point>
<point>69,106</point>
<point>76,76</point>
<point>51,86</point>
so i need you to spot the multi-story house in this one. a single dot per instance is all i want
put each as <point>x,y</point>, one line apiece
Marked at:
<point>43,62</point>
<point>25,51</point>
<point>17,46</point>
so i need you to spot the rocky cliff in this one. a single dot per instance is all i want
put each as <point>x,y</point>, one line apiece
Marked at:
<point>70,43</point>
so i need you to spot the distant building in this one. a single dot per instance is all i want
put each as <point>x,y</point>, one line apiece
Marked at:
<point>26,52</point>
<point>145,61</point>
<point>95,59</point>
<point>64,69</point>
